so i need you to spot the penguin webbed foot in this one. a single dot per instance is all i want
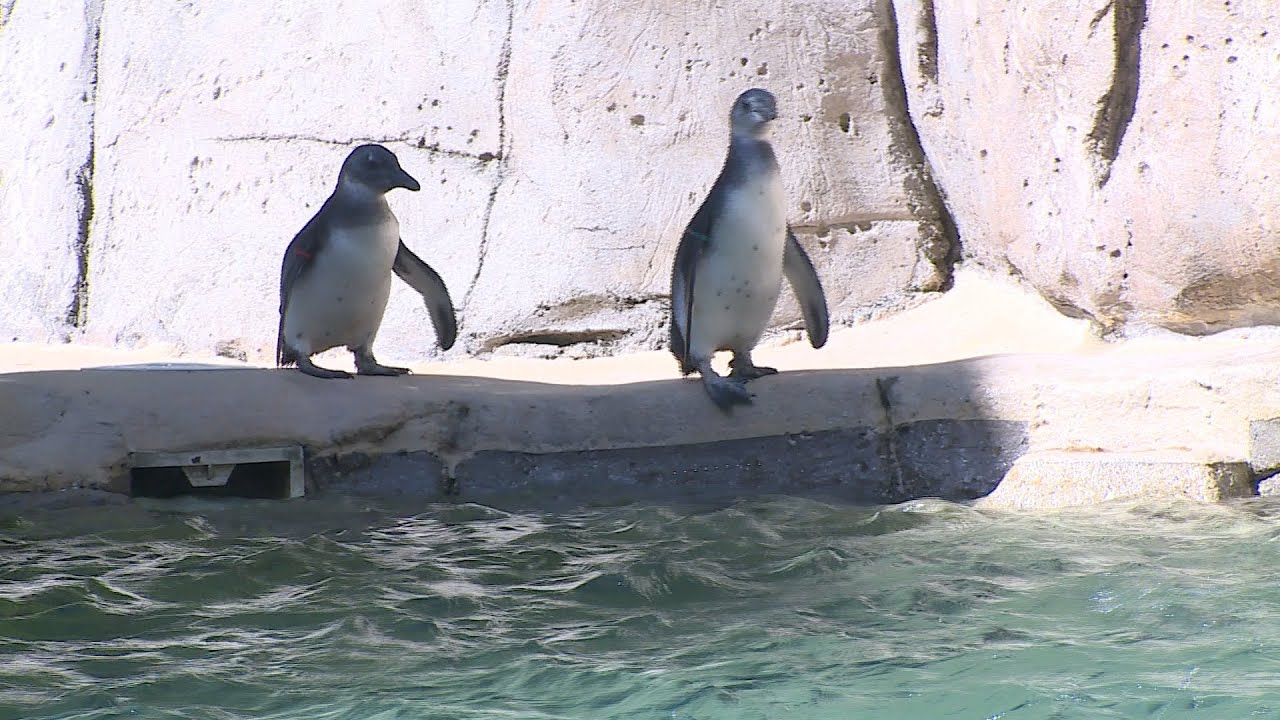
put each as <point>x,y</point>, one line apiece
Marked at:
<point>367,365</point>
<point>376,369</point>
<point>310,368</point>
<point>724,392</point>
<point>743,369</point>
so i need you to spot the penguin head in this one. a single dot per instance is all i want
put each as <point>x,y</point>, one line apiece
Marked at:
<point>375,168</point>
<point>752,112</point>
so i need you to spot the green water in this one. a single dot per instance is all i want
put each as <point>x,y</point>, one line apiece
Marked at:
<point>773,608</point>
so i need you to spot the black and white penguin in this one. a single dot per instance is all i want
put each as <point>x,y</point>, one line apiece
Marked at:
<point>336,275</point>
<point>732,257</point>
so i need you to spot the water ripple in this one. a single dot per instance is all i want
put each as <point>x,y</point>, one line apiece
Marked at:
<point>764,609</point>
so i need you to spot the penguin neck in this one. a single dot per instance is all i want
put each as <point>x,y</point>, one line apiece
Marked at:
<point>360,201</point>
<point>752,151</point>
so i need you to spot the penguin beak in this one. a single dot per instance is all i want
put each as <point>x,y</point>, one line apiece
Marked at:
<point>404,180</point>
<point>764,115</point>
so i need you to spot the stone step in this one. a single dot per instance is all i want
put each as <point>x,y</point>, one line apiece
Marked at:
<point>1056,479</point>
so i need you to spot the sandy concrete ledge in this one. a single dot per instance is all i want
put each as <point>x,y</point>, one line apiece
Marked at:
<point>979,391</point>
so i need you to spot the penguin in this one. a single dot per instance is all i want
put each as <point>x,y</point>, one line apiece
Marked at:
<point>336,274</point>
<point>732,257</point>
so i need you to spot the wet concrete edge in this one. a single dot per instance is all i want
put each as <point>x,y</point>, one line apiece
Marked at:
<point>950,459</point>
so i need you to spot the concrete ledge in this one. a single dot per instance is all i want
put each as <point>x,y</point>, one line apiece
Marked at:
<point>863,435</point>
<point>913,408</point>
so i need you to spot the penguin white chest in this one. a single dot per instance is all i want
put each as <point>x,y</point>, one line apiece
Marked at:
<point>340,301</point>
<point>739,280</point>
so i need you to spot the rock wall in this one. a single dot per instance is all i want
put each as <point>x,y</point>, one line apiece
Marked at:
<point>48,74</point>
<point>561,148</point>
<point>1115,154</point>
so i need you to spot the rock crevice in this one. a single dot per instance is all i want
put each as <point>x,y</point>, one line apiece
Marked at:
<point>78,310</point>
<point>1116,107</point>
<point>501,77</point>
<point>940,244</point>
<point>420,143</point>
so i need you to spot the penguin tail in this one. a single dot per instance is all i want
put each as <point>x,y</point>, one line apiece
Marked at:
<point>285,355</point>
<point>678,350</point>
<point>686,368</point>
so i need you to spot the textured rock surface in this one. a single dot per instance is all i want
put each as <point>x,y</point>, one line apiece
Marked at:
<point>1117,155</point>
<point>561,147</point>
<point>47,72</point>
<point>1067,479</point>
<point>1270,487</point>
<point>1264,445</point>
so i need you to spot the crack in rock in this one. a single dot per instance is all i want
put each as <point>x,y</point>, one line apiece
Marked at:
<point>884,386</point>
<point>6,11</point>
<point>78,309</point>
<point>927,49</point>
<point>419,142</point>
<point>941,245</point>
<point>503,74</point>
<point>1116,107</point>
<point>558,338</point>
<point>77,315</point>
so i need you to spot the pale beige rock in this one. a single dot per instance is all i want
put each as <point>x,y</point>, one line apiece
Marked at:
<point>1264,445</point>
<point>1066,479</point>
<point>1269,487</point>
<point>561,147</point>
<point>1117,155</point>
<point>47,71</point>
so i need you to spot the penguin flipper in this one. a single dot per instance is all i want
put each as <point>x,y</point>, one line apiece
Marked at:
<point>419,275</point>
<point>808,289</point>
<point>684,273</point>
<point>298,259</point>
